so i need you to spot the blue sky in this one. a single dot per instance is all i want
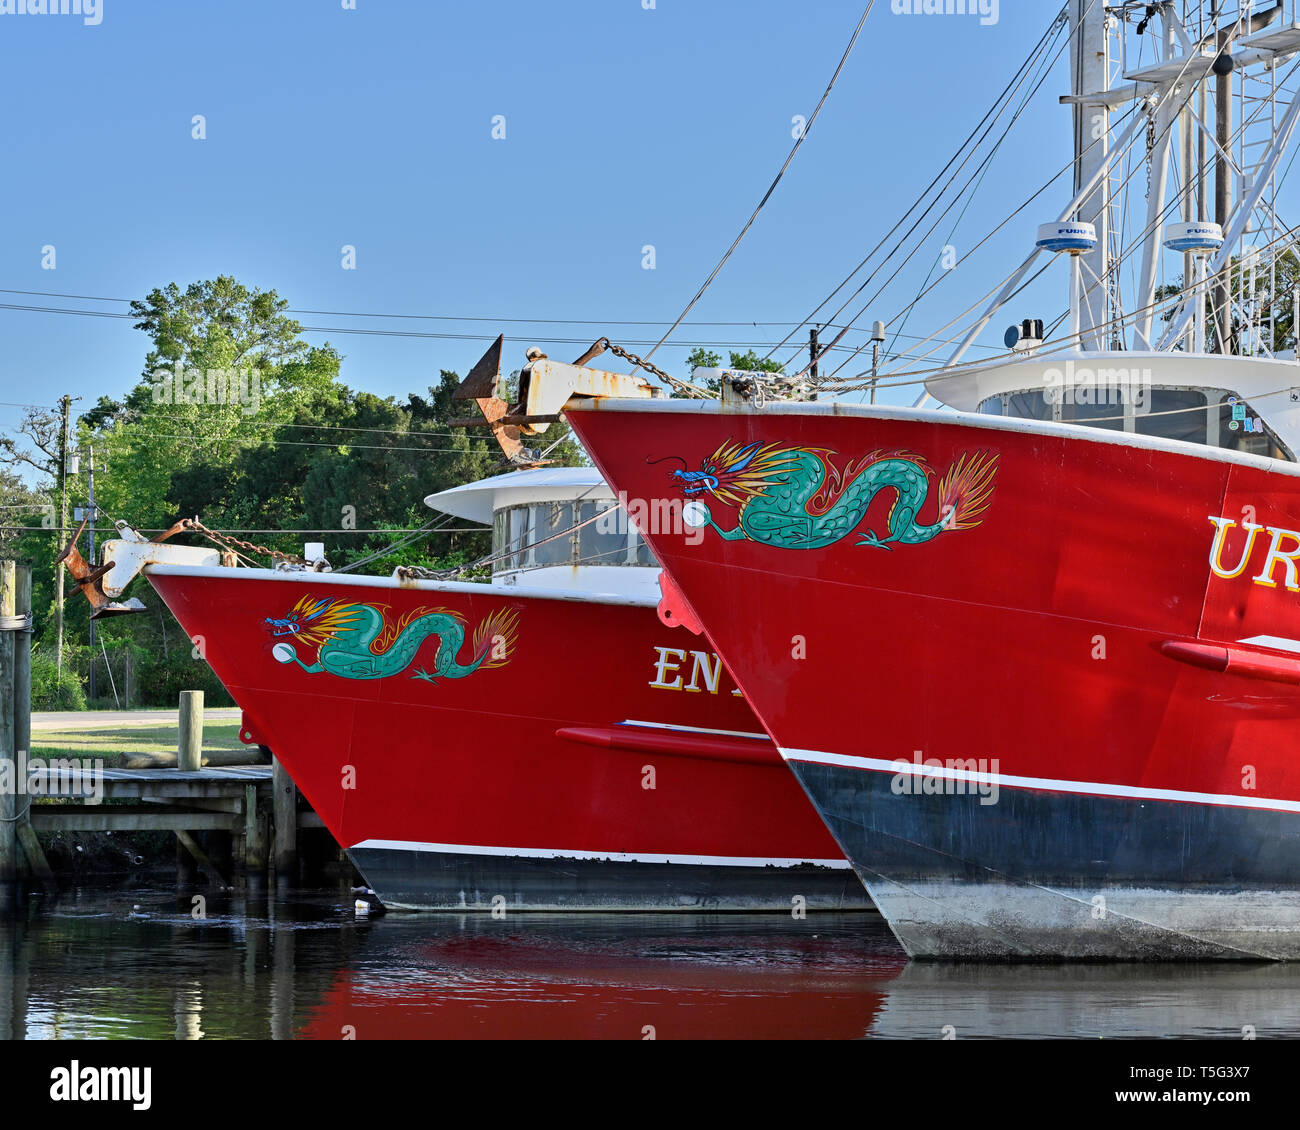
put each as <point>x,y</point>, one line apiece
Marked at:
<point>372,127</point>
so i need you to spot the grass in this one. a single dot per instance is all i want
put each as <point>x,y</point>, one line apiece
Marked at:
<point>116,743</point>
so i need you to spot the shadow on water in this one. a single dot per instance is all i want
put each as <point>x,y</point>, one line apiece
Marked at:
<point>303,965</point>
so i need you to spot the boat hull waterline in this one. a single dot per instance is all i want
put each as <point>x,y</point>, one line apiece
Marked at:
<point>481,749</point>
<point>1039,681</point>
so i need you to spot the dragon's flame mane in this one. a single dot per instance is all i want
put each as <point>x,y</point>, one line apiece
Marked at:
<point>744,472</point>
<point>321,619</point>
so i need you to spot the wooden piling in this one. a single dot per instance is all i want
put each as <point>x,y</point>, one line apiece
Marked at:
<point>254,831</point>
<point>26,837</point>
<point>285,815</point>
<point>190,731</point>
<point>23,665</point>
<point>9,798</point>
<point>200,857</point>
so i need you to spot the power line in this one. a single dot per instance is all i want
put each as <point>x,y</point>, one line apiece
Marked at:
<point>340,443</point>
<point>371,332</point>
<point>426,317</point>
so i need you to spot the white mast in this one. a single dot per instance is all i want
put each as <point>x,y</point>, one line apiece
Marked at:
<point>1090,71</point>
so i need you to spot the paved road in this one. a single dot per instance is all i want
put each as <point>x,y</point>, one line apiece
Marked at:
<point>115,719</point>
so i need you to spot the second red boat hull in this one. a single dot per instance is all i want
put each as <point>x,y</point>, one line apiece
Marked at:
<point>474,747</point>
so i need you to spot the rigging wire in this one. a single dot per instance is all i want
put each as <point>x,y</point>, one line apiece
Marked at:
<point>979,172</point>
<point>803,134</point>
<point>998,105</point>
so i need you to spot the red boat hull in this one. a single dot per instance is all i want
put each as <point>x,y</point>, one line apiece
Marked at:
<point>1049,728</point>
<point>492,749</point>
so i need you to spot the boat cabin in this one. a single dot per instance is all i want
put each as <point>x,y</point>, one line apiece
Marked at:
<point>1247,404</point>
<point>556,528</point>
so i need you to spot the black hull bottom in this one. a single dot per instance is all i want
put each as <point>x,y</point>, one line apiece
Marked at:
<point>408,879</point>
<point>1055,876</point>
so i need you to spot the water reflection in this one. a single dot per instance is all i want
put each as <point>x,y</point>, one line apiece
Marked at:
<point>293,965</point>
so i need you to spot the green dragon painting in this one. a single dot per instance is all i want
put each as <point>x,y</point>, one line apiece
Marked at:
<point>799,498</point>
<point>359,641</point>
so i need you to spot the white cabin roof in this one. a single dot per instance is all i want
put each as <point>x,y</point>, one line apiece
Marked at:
<point>1270,385</point>
<point>478,501</point>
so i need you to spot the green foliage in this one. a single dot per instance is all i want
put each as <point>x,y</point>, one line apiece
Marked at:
<point>52,689</point>
<point>160,680</point>
<point>754,363</point>
<point>701,358</point>
<point>1273,295</point>
<point>308,453</point>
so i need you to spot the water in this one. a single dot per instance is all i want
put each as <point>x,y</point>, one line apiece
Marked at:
<point>303,965</point>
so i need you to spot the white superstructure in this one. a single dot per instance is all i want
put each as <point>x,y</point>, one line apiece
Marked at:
<point>556,528</point>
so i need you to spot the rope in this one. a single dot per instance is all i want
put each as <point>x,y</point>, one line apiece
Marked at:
<point>21,816</point>
<point>21,623</point>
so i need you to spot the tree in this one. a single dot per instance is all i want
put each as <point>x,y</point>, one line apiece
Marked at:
<point>754,363</point>
<point>307,454</point>
<point>1267,295</point>
<point>701,358</point>
<point>217,323</point>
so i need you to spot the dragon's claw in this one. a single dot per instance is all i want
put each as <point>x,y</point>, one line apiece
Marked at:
<point>424,675</point>
<point>870,538</point>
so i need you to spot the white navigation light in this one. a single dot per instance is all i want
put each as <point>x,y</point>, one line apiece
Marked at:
<point>1068,236</point>
<point>1197,236</point>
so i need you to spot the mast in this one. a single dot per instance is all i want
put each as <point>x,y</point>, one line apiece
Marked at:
<point>1222,180</point>
<point>1090,71</point>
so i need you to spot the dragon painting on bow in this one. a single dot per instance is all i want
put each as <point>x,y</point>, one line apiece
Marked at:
<point>362,641</point>
<point>799,498</point>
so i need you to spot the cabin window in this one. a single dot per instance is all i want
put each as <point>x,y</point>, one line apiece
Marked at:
<point>1033,405</point>
<point>1213,417</point>
<point>1108,412</point>
<point>549,521</point>
<point>1240,428</point>
<point>544,534</point>
<point>1172,413</point>
<point>600,542</point>
<point>517,538</point>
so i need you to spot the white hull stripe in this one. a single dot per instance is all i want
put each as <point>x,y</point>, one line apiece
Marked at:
<point>1278,643</point>
<point>695,729</point>
<point>611,856</point>
<point>1046,784</point>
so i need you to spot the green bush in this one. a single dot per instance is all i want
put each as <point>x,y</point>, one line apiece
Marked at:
<point>52,690</point>
<point>161,679</point>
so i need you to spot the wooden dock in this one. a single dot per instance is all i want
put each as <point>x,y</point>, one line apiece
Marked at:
<point>238,800</point>
<point>257,806</point>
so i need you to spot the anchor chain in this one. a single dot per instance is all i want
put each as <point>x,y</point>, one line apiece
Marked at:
<point>251,547</point>
<point>649,367</point>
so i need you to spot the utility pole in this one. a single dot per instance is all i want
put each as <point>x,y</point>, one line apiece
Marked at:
<point>90,515</point>
<point>877,340</point>
<point>66,405</point>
